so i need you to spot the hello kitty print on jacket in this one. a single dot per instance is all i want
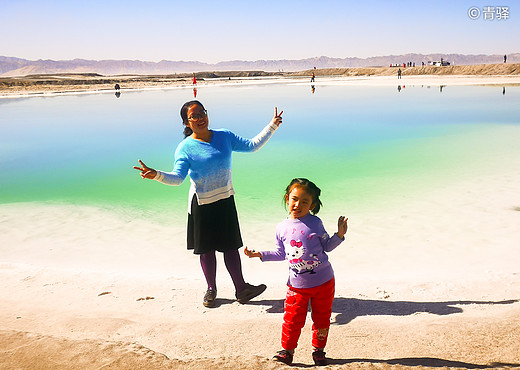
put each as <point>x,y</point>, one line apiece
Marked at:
<point>294,252</point>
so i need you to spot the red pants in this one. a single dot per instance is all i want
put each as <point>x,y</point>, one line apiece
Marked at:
<point>295,313</point>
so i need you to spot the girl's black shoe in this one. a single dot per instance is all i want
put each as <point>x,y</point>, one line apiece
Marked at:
<point>319,358</point>
<point>283,356</point>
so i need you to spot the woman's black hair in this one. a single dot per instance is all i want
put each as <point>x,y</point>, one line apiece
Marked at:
<point>184,115</point>
<point>310,188</point>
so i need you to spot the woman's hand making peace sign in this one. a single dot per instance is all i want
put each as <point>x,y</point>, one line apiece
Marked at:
<point>146,172</point>
<point>277,119</point>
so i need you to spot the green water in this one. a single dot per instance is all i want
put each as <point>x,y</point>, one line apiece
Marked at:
<point>361,145</point>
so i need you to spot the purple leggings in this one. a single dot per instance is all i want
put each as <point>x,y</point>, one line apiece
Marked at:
<point>208,261</point>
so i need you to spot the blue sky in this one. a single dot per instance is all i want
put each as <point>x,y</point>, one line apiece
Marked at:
<point>212,31</point>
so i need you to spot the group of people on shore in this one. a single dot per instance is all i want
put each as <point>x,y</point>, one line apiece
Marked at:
<point>205,156</point>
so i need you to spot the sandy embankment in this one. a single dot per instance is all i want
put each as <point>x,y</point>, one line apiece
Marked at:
<point>428,279</point>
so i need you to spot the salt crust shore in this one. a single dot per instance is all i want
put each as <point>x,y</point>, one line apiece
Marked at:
<point>429,280</point>
<point>428,80</point>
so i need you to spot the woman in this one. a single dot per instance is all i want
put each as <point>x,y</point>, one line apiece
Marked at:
<point>205,155</point>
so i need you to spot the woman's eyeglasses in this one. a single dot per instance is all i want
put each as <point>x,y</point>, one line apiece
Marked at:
<point>196,117</point>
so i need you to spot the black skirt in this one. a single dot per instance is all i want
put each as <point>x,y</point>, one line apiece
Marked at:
<point>213,226</point>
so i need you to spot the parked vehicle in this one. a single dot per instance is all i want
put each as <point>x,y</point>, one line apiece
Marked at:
<point>439,64</point>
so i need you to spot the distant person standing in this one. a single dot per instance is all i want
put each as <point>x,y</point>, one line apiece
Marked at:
<point>313,76</point>
<point>194,79</point>
<point>505,58</point>
<point>399,74</point>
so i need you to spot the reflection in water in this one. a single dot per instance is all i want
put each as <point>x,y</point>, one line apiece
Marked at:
<point>504,90</point>
<point>441,87</point>
<point>399,88</point>
<point>118,94</point>
<point>313,89</point>
<point>194,92</point>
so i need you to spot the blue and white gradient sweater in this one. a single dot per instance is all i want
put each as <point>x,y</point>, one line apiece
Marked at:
<point>209,164</point>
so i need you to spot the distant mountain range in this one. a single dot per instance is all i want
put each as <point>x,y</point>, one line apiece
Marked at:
<point>10,66</point>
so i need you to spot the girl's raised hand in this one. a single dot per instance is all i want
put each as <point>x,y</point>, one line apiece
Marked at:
<point>146,172</point>
<point>342,226</point>
<point>251,253</point>
<point>277,119</point>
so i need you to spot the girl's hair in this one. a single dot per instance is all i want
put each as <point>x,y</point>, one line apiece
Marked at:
<point>310,188</point>
<point>184,115</point>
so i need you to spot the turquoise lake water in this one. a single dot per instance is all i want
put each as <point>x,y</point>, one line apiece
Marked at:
<point>361,145</point>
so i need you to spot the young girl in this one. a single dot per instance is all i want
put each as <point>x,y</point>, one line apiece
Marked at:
<point>303,241</point>
<point>205,155</point>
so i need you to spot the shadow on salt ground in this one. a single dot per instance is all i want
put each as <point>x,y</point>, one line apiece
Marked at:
<point>350,308</point>
<point>347,309</point>
<point>415,361</point>
<point>223,301</point>
<point>424,361</point>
